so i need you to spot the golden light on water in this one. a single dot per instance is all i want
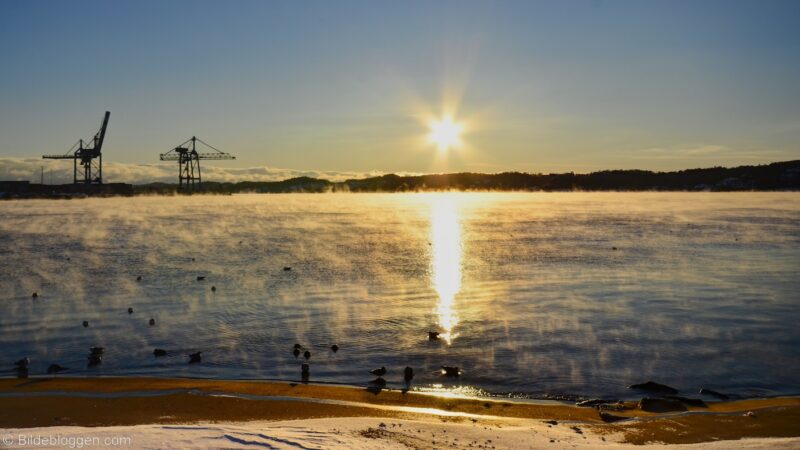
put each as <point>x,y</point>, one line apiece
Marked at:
<point>446,263</point>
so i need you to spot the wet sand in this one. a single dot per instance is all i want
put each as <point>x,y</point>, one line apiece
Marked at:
<point>103,402</point>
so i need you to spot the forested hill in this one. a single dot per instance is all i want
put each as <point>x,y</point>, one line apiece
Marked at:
<point>775,176</point>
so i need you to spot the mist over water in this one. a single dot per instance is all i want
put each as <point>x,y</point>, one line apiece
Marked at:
<point>526,289</point>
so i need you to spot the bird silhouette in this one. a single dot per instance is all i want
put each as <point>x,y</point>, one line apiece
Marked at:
<point>450,371</point>
<point>378,372</point>
<point>55,368</point>
<point>195,357</point>
<point>23,363</point>
<point>408,374</point>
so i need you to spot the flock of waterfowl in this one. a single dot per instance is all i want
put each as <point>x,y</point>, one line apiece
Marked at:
<point>96,354</point>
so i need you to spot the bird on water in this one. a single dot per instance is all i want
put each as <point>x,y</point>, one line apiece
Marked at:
<point>378,372</point>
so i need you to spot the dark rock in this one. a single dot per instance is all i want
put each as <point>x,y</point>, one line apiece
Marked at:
<point>551,422</point>
<point>307,354</point>
<point>130,310</point>
<point>610,418</point>
<point>97,350</point>
<point>95,359</point>
<point>433,335</point>
<point>661,405</point>
<point>35,295</point>
<point>704,391</point>
<point>287,268</point>
<point>378,372</point>
<point>298,346</point>
<point>159,352</point>
<point>689,401</point>
<point>201,278</point>
<point>139,278</point>
<point>213,289</point>
<point>152,321</point>
<point>652,386</point>
<point>85,323</point>
<point>334,348</point>
<point>296,352</point>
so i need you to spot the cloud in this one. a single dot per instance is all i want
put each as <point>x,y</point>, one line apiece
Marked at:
<point>57,172</point>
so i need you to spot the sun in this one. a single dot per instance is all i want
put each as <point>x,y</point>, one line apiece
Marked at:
<point>445,133</point>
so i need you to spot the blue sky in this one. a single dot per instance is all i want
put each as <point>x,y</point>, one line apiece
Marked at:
<point>347,86</point>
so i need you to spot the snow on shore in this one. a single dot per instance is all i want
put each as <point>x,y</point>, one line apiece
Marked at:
<point>345,433</point>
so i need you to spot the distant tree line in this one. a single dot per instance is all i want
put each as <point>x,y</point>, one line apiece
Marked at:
<point>775,176</point>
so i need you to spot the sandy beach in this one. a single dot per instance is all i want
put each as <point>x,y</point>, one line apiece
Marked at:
<point>176,413</point>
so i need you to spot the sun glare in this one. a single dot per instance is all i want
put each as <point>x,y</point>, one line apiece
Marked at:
<point>445,133</point>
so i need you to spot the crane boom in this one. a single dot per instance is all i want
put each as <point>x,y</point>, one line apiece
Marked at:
<point>90,156</point>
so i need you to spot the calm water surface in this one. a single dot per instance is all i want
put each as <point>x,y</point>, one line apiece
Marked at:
<point>527,290</point>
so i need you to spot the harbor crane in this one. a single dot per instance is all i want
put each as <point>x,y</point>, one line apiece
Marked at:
<point>90,155</point>
<point>189,161</point>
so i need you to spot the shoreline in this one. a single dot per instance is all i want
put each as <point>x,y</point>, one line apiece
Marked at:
<point>129,402</point>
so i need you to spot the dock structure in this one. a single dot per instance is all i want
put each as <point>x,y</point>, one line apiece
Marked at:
<point>189,176</point>
<point>90,155</point>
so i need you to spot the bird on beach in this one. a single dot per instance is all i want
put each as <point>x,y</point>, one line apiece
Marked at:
<point>139,278</point>
<point>35,295</point>
<point>378,372</point>
<point>287,268</point>
<point>152,321</point>
<point>159,352</point>
<point>55,368</point>
<point>130,310</point>
<point>23,363</point>
<point>201,278</point>
<point>195,357</point>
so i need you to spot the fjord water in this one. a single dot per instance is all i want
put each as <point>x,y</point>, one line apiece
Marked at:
<point>527,289</point>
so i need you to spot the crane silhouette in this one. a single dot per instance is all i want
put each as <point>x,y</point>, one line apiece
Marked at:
<point>90,154</point>
<point>189,161</point>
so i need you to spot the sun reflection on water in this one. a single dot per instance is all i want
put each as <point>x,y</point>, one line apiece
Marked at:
<point>446,262</point>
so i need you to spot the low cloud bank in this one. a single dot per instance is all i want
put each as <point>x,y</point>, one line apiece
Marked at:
<point>59,172</point>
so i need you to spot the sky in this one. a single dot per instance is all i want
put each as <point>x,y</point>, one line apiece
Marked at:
<point>349,88</point>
